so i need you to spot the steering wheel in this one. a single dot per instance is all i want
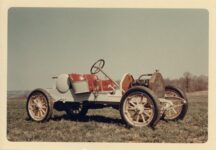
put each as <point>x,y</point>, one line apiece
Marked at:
<point>97,66</point>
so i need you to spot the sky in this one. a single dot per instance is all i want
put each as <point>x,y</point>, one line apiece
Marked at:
<point>46,42</point>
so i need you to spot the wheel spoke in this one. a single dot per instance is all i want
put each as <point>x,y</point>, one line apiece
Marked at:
<point>31,108</point>
<point>148,109</point>
<point>146,114</point>
<point>137,118</point>
<point>175,106</point>
<point>34,101</point>
<point>180,105</point>
<point>39,112</point>
<point>40,98</point>
<point>131,108</point>
<point>143,118</point>
<point>132,103</point>
<point>44,107</point>
<point>137,100</point>
<point>133,116</point>
<point>174,110</point>
<point>174,98</point>
<point>43,111</point>
<point>34,111</point>
<point>144,101</point>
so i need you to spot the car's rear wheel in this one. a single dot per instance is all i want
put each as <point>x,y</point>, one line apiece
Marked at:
<point>179,106</point>
<point>39,105</point>
<point>139,107</point>
<point>76,110</point>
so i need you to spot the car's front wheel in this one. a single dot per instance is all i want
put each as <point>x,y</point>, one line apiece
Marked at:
<point>139,107</point>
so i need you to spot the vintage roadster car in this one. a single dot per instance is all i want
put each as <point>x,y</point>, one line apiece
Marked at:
<point>141,102</point>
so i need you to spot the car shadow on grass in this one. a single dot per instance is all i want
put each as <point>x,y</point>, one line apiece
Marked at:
<point>59,106</point>
<point>96,118</point>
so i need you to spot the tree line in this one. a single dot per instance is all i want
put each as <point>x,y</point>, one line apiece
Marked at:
<point>190,82</point>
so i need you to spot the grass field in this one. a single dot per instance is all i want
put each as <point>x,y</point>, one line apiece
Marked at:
<point>105,125</point>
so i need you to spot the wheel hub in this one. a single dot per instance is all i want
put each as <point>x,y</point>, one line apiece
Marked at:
<point>39,105</point>
<point>140,108</point>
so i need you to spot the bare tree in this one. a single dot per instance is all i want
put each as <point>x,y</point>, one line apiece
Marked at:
<point>189,82</point>
<point>187,78</point>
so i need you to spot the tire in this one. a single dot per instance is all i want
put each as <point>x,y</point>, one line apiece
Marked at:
<point>39,105</point>
<point>76,110</point>
<point>148,104</point>
<point>184,105</point>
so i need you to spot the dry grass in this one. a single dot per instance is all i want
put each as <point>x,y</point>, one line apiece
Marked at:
<point>105,125</point>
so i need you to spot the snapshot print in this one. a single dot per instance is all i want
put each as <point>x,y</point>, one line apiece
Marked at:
<point>107,75</point>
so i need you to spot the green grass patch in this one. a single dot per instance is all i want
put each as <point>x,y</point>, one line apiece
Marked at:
<point>105,125</point>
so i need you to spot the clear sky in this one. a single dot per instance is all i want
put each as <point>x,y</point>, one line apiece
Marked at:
<point>45,42</point>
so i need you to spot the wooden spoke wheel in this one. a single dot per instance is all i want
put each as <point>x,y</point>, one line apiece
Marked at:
<point>178,107</point>
<point>139,108</point>
<point>76,109</point>
<point>39,106</point>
